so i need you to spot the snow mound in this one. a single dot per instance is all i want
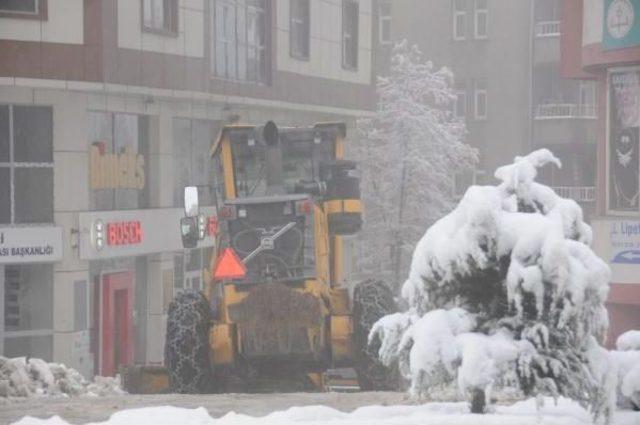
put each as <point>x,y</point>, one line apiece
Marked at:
<point>628,367</point>
<point>629,340</point>
<point>22,377</point>
<point>560,412</point>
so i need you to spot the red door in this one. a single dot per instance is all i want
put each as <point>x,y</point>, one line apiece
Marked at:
<point>117,322</point>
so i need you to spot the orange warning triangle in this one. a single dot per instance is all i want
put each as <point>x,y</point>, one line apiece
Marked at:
<point>229,266</point>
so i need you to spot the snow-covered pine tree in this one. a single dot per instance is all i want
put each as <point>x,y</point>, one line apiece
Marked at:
<point>506,287</point>
<point>408,153</point>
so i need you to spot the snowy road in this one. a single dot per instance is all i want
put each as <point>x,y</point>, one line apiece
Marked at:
<point>81,410</point>
<point>286,409</point>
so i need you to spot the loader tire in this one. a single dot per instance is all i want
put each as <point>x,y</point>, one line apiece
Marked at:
<point>187,344</point>
<point>372,300</point>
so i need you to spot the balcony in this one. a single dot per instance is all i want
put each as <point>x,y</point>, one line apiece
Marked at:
<point>581,194</point>
<point>554,111</point>
<point>547,29</point>
<point>562,123</point>
<point>547,42</point>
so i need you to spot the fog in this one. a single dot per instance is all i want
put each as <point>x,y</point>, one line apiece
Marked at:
<point>315,143</point>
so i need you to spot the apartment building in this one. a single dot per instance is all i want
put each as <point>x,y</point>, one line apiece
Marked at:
<point>505,56</point>
<point>601,42</point>
<point>107,109</point>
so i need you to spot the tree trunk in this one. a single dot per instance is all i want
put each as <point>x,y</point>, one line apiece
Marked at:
<point>478,401</point>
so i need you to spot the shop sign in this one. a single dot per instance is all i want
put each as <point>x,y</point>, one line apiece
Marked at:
<point>116,171</point>
<point>30,244</point>
<point>621,24</point>
<point>110,234</point>
<point>617,241</point>
<point>124,233</point>
<point>624,141</point>
<point>625,241</point>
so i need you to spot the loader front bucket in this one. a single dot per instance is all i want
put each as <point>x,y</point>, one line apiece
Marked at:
<point>138,379</point>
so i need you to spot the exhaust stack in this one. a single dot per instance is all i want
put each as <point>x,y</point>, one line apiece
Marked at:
<point>273,156</point>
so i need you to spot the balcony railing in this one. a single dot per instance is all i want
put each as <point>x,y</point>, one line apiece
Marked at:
<point>577,193</point>
<point>564,110</point>
<point>547,29</point>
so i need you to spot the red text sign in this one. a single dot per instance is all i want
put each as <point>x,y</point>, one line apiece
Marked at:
<point>213,226</point>
<point>124,233</point>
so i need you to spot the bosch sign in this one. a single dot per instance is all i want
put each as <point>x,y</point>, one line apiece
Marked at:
<point>124,233</point>
<point>116,233</point>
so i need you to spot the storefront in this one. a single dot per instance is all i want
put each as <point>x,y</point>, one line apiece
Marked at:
<point>120,247</point>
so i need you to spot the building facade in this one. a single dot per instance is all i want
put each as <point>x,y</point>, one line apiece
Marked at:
<point>108,108</point>
<point>505,56</point>
<point>601,42</point>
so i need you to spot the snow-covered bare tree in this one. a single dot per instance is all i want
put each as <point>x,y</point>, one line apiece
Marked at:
<point>408,153</point>
<point>506,288</point>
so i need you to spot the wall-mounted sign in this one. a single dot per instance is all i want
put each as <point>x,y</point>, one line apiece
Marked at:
<point>124,233</point>
<point>621,24</point>
<point>624,141</point>
<point>617,241</point>
<point>116,171</point>
<point>115,233</point>
<point>30,244</point>
<point>109,234</point>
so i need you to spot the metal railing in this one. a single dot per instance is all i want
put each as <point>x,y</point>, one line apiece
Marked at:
<point>577,193</point>
<point>564,110</point>
<point>547,29</point>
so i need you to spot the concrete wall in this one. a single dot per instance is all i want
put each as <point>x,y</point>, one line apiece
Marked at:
<point>325,55</point>
<point>65,24</point>
<point>593,11</point>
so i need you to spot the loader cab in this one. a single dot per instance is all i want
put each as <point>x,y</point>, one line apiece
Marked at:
<point>280,191</point>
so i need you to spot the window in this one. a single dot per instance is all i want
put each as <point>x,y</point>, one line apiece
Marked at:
<point>26,164</point>
<point>587,93</point>
<point>480,97</point>
<point>460,106</point>
<point>299,35</point>
<point>26,9</point>
<point>547,11</point>
<point>160,16</point>
<point>459,19</point>
<point>301,159</point>
<point>384,22</point>
<point>350,12</point>
<point>480,21</point>
<point>26,310</point>
<point>192,165</point>
<point>240,40</point>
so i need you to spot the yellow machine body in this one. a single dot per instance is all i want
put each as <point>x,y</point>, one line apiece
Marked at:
<point>331,335</point>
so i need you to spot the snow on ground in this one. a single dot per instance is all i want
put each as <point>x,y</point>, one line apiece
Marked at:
<point>565,412</point>
<point>24,378</point>
<point>628,369</point>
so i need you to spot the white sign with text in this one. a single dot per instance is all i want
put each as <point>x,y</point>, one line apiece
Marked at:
<point>617,241</point>
<point>30,244</point>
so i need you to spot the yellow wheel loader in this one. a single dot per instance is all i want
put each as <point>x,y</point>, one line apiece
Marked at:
<point>277,311</point>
